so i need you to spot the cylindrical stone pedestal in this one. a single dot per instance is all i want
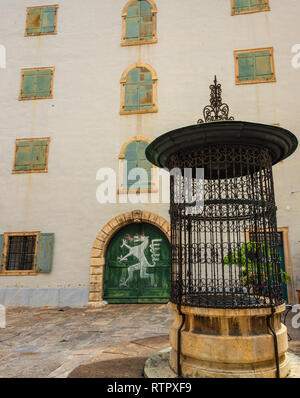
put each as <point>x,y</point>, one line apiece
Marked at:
<point>228,342</point>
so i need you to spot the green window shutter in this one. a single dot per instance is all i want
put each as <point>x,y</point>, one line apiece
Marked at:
<point>39,154</point>
<point>257,4</point>
<point>249,5</point>
<point>48,19</point>
<point>138,89</point>
<point>1,249</point>
<point>146,96</point>
<point>132,162</point>
<point>34,21</point>
<point>36,83</point>
<point>29,87</point>
<point>146,30</point>
<point>44,82</point>
<point>143,163</point>
<point>255,66</point>
<point>133,22</point>
<point>23,155</point>
<point>45,253</point>
<point>246,63</point>
<point>263,68</point>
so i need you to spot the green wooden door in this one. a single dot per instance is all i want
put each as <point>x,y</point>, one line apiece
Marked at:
<point>137,266</point>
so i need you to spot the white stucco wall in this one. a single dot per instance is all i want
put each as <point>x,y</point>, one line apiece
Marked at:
<point>196,40</point>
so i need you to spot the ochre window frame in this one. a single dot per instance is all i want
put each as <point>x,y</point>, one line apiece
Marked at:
<point>45,170</point>
<point>287,259</point>
<point>233,13</point>
<point>237,52</point>
<point>41,33</point>
<point>121,189</point>
<point>4,255</point>
<point>154,89</point>
<point>52,68</point>
<point>154,26</point>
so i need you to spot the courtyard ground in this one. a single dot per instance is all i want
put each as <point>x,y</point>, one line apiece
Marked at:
<point>112,341</point>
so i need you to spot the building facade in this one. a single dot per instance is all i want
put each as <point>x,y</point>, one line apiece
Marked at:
<point>85,87</point>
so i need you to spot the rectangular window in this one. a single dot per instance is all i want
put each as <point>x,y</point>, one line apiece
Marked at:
<point>26,253</point>
<point>36,83</point>
<point>254,66</point>
<point>19,254</point>
<point>41,20</point>
<point>31,155</point>
<point>248,6</point>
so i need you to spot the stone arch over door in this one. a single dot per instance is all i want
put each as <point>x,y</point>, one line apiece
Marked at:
<point>97,263</point>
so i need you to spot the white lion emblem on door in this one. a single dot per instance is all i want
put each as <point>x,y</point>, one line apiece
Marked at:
<point>138,251</point>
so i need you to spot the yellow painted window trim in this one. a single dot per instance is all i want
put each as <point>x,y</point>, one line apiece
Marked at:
<point>154,89</point>
<point>45,170</point>
<point>233,13</point>
<point>121,190</point>
<point>154,26</point>
<point>5,272</point>
<point>52,68</point>
<point>287,259</point>
<point>237,52</point>
<point>41,33</point>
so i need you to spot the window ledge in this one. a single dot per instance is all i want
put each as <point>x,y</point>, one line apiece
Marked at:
<point>125,43</point>
<point>238,82</point>
<point>34,98</point>
<point>123,191</point>
<point>154,110</point>
<point>18,273</point>
<point>29,171</point>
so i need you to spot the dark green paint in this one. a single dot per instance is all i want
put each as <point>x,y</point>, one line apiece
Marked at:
<point>138,290</point>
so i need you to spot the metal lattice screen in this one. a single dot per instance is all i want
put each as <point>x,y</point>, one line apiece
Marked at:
<point>226,255</point>
<point>20,254</point>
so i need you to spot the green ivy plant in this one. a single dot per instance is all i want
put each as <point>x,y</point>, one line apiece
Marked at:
<point>246,259</point>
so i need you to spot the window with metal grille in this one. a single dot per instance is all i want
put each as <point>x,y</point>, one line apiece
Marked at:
<point>20,252</point>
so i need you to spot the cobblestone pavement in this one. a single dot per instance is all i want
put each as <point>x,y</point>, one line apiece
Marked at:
<point>52,342</point>
<point>49,342</point>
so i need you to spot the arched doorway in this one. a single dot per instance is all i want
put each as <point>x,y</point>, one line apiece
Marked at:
<point>100,245</point>
<point>137,266</point>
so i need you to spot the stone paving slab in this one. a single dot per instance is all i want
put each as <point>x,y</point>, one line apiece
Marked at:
<point>48,342</point>
<point>126,360</point>
<point>54,342</point>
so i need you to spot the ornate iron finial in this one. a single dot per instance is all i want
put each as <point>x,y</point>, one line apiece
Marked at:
<point>216,110</point>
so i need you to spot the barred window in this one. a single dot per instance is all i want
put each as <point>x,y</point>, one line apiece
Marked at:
<point>20,252</point>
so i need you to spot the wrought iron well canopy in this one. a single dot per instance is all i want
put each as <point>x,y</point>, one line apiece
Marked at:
<point>225,256</point>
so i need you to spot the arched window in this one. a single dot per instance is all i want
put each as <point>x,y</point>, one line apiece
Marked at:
<point>139,22</point>
<point>138,89</point>
<point>133,156</point>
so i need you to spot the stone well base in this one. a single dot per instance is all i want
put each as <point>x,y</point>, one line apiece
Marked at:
<point>228,343</point>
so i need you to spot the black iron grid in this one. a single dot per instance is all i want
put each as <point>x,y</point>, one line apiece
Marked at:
<point>20,253</point>
<point>237,222</point>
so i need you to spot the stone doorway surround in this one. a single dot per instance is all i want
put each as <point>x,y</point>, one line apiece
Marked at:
<point>97,263</point>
